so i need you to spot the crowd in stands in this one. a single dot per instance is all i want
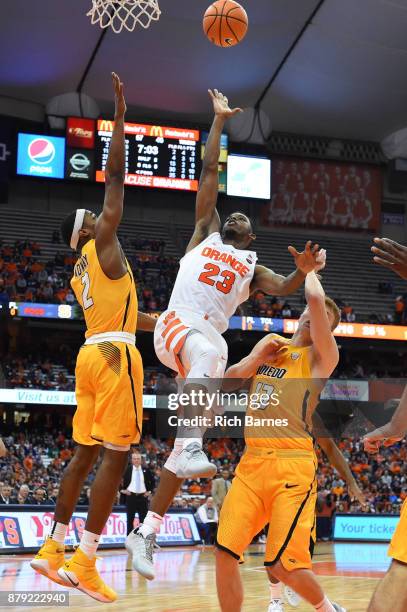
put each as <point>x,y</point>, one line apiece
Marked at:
<point>31,471</point>
<point>25,276</point>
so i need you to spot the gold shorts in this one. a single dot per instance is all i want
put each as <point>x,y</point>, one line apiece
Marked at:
<point>398,544</point>
<point>276,487</point>
<point>109,394</point>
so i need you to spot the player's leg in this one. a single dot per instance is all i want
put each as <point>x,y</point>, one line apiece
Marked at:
<point>242,516</point>
<point>288,557</point>
<point>50,557</point>
<point>196,359</point>
<point>391,592</point>
<point>204,365</point>
<point>117,374</point>
<point>277,588</point>
<point>140,542</point>
<point>228,582</point>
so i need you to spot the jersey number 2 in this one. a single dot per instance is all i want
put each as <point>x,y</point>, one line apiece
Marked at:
<point>211,270</point>
<point>87,301</point>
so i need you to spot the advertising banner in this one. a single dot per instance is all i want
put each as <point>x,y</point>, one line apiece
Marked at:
<point>365,527</point>
<point>28,528</point>
<point>39,155</point>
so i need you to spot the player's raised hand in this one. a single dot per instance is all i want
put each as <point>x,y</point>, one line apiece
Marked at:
<point>221,105</point>
<point>385,436</point>
<point>307,260</point>
<point>392,255</point>
<point>120,102</point>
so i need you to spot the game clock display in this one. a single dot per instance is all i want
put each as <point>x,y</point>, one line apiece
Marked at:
<point>156,156</point>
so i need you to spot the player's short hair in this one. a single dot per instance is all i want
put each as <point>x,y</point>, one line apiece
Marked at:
<point>67,227</point>
<point>334,308</point>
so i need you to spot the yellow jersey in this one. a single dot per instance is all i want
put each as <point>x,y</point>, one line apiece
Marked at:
<point>108,305</point>
<point>281,401</point>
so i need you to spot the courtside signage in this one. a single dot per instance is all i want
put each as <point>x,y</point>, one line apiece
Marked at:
<point>26,529</point>
<point>366,527</point>
<point>39,155</point>
<point>46,397</point>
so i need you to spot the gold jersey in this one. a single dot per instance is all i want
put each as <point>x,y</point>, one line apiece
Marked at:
<point>282,398</point>
<point>108,305</point>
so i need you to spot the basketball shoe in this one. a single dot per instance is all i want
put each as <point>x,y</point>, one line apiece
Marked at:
<point>80,572</point>
<point>49,559</point>
<point>292,597</point>
<point>193,463</point>
<point>276,605</point>
<point>337,607</point>
<point>141,548</point>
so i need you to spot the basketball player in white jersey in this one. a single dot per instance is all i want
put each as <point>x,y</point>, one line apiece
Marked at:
<point>217,273</point>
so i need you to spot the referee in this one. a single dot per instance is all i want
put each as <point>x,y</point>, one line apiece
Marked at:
<point>138,485</point>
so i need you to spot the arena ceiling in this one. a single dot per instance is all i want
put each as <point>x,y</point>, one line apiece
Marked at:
<point>345,77</point>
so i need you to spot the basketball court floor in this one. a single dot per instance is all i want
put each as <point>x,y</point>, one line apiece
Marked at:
<point>186,579</point>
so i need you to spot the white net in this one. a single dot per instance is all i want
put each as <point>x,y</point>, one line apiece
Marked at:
<point>121,14</point>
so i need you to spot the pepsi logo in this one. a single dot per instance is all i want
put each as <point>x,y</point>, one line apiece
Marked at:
<point>41,151</point>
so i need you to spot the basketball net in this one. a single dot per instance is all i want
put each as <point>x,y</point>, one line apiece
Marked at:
<point>119,14</point>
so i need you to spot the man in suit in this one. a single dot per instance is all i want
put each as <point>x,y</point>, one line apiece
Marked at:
<point>138,485</point>
<point>220,487</point>
<point>6,495</point>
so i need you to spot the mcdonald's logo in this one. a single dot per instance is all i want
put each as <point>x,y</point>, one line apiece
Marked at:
<point>156,130</point>
<point>105,125</point>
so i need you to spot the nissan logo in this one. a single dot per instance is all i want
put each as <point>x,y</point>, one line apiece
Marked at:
<point>79,162</point>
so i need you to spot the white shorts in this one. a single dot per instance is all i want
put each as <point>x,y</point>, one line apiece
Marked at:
<point>170,334</point>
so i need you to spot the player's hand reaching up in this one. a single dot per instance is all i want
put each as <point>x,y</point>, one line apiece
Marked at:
<point>309,259</point>
<point>386,436</point>
<point>221,105</point>
<point>120,102</point>
<point>392,255</point>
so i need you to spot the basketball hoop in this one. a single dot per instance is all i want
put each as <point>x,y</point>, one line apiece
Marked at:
<point>119,14</point>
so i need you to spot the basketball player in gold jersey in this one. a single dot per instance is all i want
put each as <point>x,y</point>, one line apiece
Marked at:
<point>109,376</point>
<point>275,480</point>
<point>391,592</point>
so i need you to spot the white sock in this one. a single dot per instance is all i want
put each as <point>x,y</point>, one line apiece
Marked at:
<point>276,590</point>
<point>151,524</point>
<point>89,543</point>
<point>325,606</point>
<point>187,441</point>
<point>58,532</point>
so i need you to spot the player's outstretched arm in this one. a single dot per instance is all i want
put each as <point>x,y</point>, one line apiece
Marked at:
<point>271,283</point>
<point>325,354</point>
<point>107,245</point>
<point>392,432</point>
<point>145,322</point>
<point>3,450</point>
<point>392,255</point>
<point>206,216</point>
<point>341,465</point>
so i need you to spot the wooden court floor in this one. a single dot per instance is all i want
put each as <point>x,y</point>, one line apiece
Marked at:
<point>186,579</point>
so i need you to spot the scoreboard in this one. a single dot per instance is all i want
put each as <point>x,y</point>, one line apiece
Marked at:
<point>156,156</point>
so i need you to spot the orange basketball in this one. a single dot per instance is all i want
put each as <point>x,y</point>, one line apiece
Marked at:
<point>225,23</point>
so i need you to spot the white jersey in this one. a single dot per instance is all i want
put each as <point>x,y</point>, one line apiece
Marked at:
<point>213,279</point>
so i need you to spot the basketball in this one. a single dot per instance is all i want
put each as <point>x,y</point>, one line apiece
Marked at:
<point>225,23</point>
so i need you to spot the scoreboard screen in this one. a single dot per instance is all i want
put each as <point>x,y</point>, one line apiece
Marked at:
<point>156,156</point>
